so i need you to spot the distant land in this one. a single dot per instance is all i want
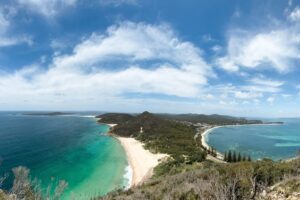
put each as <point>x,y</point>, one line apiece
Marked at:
<point>213,119</point>
<point>48,113</point>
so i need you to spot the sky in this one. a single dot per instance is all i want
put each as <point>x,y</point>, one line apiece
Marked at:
<point>230,57</point>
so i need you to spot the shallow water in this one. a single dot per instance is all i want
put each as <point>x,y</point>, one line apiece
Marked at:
<point>259,141</point>
<point>72,148</point>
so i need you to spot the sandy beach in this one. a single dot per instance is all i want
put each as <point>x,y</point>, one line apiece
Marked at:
<point>142,161</point>
<point>204,143</point>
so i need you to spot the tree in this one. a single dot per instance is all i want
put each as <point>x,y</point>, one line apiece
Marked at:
<point>249,159</point>
<point>225,156</point>
<point>213,151</point>
<point>229,157</point>
<point>244,158</point>
<point>239,158</point>
<point>234,157</point>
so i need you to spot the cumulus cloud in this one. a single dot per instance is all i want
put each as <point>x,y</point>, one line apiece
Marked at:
<point>275,49</point>
<point>154,60</point>
<point>46,8</point>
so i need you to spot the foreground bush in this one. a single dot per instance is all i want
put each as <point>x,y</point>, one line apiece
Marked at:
<point>24,188</point>
<point>211,181</point>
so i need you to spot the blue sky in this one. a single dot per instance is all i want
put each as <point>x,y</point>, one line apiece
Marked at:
<point>228,57</point>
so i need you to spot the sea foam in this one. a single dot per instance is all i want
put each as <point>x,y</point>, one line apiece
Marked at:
<point>128,176</point>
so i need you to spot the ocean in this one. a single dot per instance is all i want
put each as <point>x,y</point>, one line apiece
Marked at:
<point>73,148</point>
<point>259,141</point>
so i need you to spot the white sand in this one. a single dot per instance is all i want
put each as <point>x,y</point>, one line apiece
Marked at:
<point>112,125</point>
<point>204,143</point>
<point>141,161</point>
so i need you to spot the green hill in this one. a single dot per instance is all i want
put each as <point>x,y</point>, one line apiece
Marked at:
<point>210,119</point>
<point>159,135</point>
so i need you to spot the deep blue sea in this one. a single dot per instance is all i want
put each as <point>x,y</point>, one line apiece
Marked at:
<point>259,141</point>
<point>71,148</point>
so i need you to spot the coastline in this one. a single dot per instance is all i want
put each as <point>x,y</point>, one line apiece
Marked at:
<point>205,134</point>
<point>140,160</point>
<point>207,131</point>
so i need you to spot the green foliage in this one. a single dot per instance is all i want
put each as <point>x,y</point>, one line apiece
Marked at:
<point>244,158</point>
<point>249,158</point>
<point>209,119</point>
<point>159,135</point>
<point>239,158</point>
<point>229,158</point>
<point>235,157</point>
<point>225,156</point>
<point>207,180</point>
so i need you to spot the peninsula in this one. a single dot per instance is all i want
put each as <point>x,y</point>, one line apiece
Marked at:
<point>183,166</point>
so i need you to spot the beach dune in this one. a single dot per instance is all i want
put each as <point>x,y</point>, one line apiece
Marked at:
<point>142,161</point>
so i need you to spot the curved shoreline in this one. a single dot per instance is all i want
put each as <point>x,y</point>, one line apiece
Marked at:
<point>204,136</point>
<point>141,161</point>
<point>220,156</point>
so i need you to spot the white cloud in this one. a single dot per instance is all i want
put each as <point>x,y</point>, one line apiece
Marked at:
<point>216,48</point>
<point>260,88</point>
<point>4,23</point>
<point>118,2</point>
<point>295,14</point>
<point>247,95</point>
<point>6,37</point>
<point>47,8</point>
<point>154,60</point>
<point>271,100</point>
<point>10,41</point>
<point>255,89</point>
<point>275,49</point>
<point>208,97</point>
<point>267,82</point>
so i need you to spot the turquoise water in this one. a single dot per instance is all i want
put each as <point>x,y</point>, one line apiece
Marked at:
<point>72,148</point>
<point>259,141</point>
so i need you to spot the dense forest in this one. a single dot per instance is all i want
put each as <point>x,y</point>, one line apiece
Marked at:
<point>192,118</point>
<point>159,135</point>
<point>209,119</point>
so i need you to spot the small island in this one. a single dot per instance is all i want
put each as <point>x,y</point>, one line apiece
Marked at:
<point>48,113</point>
